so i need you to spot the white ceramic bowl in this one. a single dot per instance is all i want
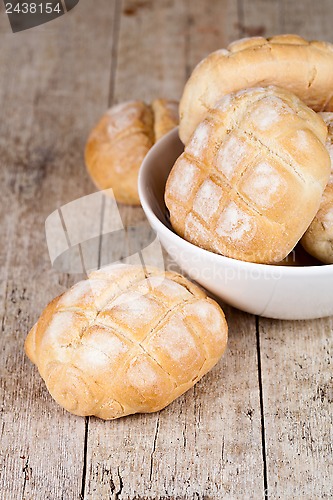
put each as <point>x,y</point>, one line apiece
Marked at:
<point>282,292</point>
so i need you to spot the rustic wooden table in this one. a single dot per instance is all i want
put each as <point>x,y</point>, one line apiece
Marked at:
<point>261,422</point>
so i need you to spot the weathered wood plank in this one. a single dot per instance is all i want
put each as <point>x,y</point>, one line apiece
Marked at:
<point>150,60</point>
<point>310,19</point>
<point>296,360</point>
<point>52,81</point>
<point>208,442</point>
<point>259,17</point>
<point>296,357</point>
<point>212,25</point>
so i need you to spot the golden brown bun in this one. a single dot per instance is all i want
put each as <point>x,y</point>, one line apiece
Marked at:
<point>318,239</point>
<point>121,139</point>
<point>288,61</point>
<point>250,180</point>
<point>125,341</point>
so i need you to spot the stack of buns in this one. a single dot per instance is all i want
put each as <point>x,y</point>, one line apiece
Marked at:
<point>251,181</point>
<point>254,176</point>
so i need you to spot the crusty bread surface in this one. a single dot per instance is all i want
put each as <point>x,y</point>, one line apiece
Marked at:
<point>126,340</point>
<point>318,239</point>
<point>288,61</point>
<point>251,179</point>
<point>121,139</point>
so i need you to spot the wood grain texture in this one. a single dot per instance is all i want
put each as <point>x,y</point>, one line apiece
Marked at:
<point>150,57</point>
<point>313,20</point>
<point>49,96</point>
<point>295,356</point>
<point>296,360</point>
<point>211,25</point>
<point>207,443</point>
<point>260,423</point>
<point>259,18</point>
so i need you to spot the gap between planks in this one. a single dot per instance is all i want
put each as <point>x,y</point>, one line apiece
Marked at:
<point>114,53</point>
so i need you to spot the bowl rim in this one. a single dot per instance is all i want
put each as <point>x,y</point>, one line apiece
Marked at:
<point>324,269</point>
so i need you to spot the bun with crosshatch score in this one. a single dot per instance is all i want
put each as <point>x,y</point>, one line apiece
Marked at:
<point>126,340</point>
<point>251,178</point>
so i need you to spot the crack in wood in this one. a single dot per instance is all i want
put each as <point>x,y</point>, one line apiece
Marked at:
<point>154,447</point>
<point>114,49</point>
<point>85,456</point>
<point>184,435</point>
<point>121,486</point>
<point>196,417</point>
<point>112,485</point>
<point>5,310</point>
<point>2,429</point>
<point>27,471</point>
<point>261,399</point>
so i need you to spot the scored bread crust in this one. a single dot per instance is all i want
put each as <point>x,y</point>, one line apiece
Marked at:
<point>126,340</point>
<point>288,61</point>
<point>251,179</point>
<point>121,139</point>
<point>318,239</point>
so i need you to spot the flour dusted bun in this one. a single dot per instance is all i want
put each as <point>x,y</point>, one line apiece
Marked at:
<point>121,139</point>
<point>288,61</point>
<point>251,179</point>
<point>126,340</point>
<point>318,239</point>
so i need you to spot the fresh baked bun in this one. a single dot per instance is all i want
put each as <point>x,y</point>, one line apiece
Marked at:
<point>126,340</point>
<point>250,180</point>
<point>288,61</point>
<point>121,139</point>
<point>318,239</point>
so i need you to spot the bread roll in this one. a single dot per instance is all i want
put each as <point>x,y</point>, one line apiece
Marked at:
<point>126,340</point>
<point>318,239</point>
<point>250,180</point>
<point>305,68</point>
<point>121,139</point>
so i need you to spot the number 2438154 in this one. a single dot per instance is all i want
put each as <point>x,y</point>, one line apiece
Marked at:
<point>33,8</point>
